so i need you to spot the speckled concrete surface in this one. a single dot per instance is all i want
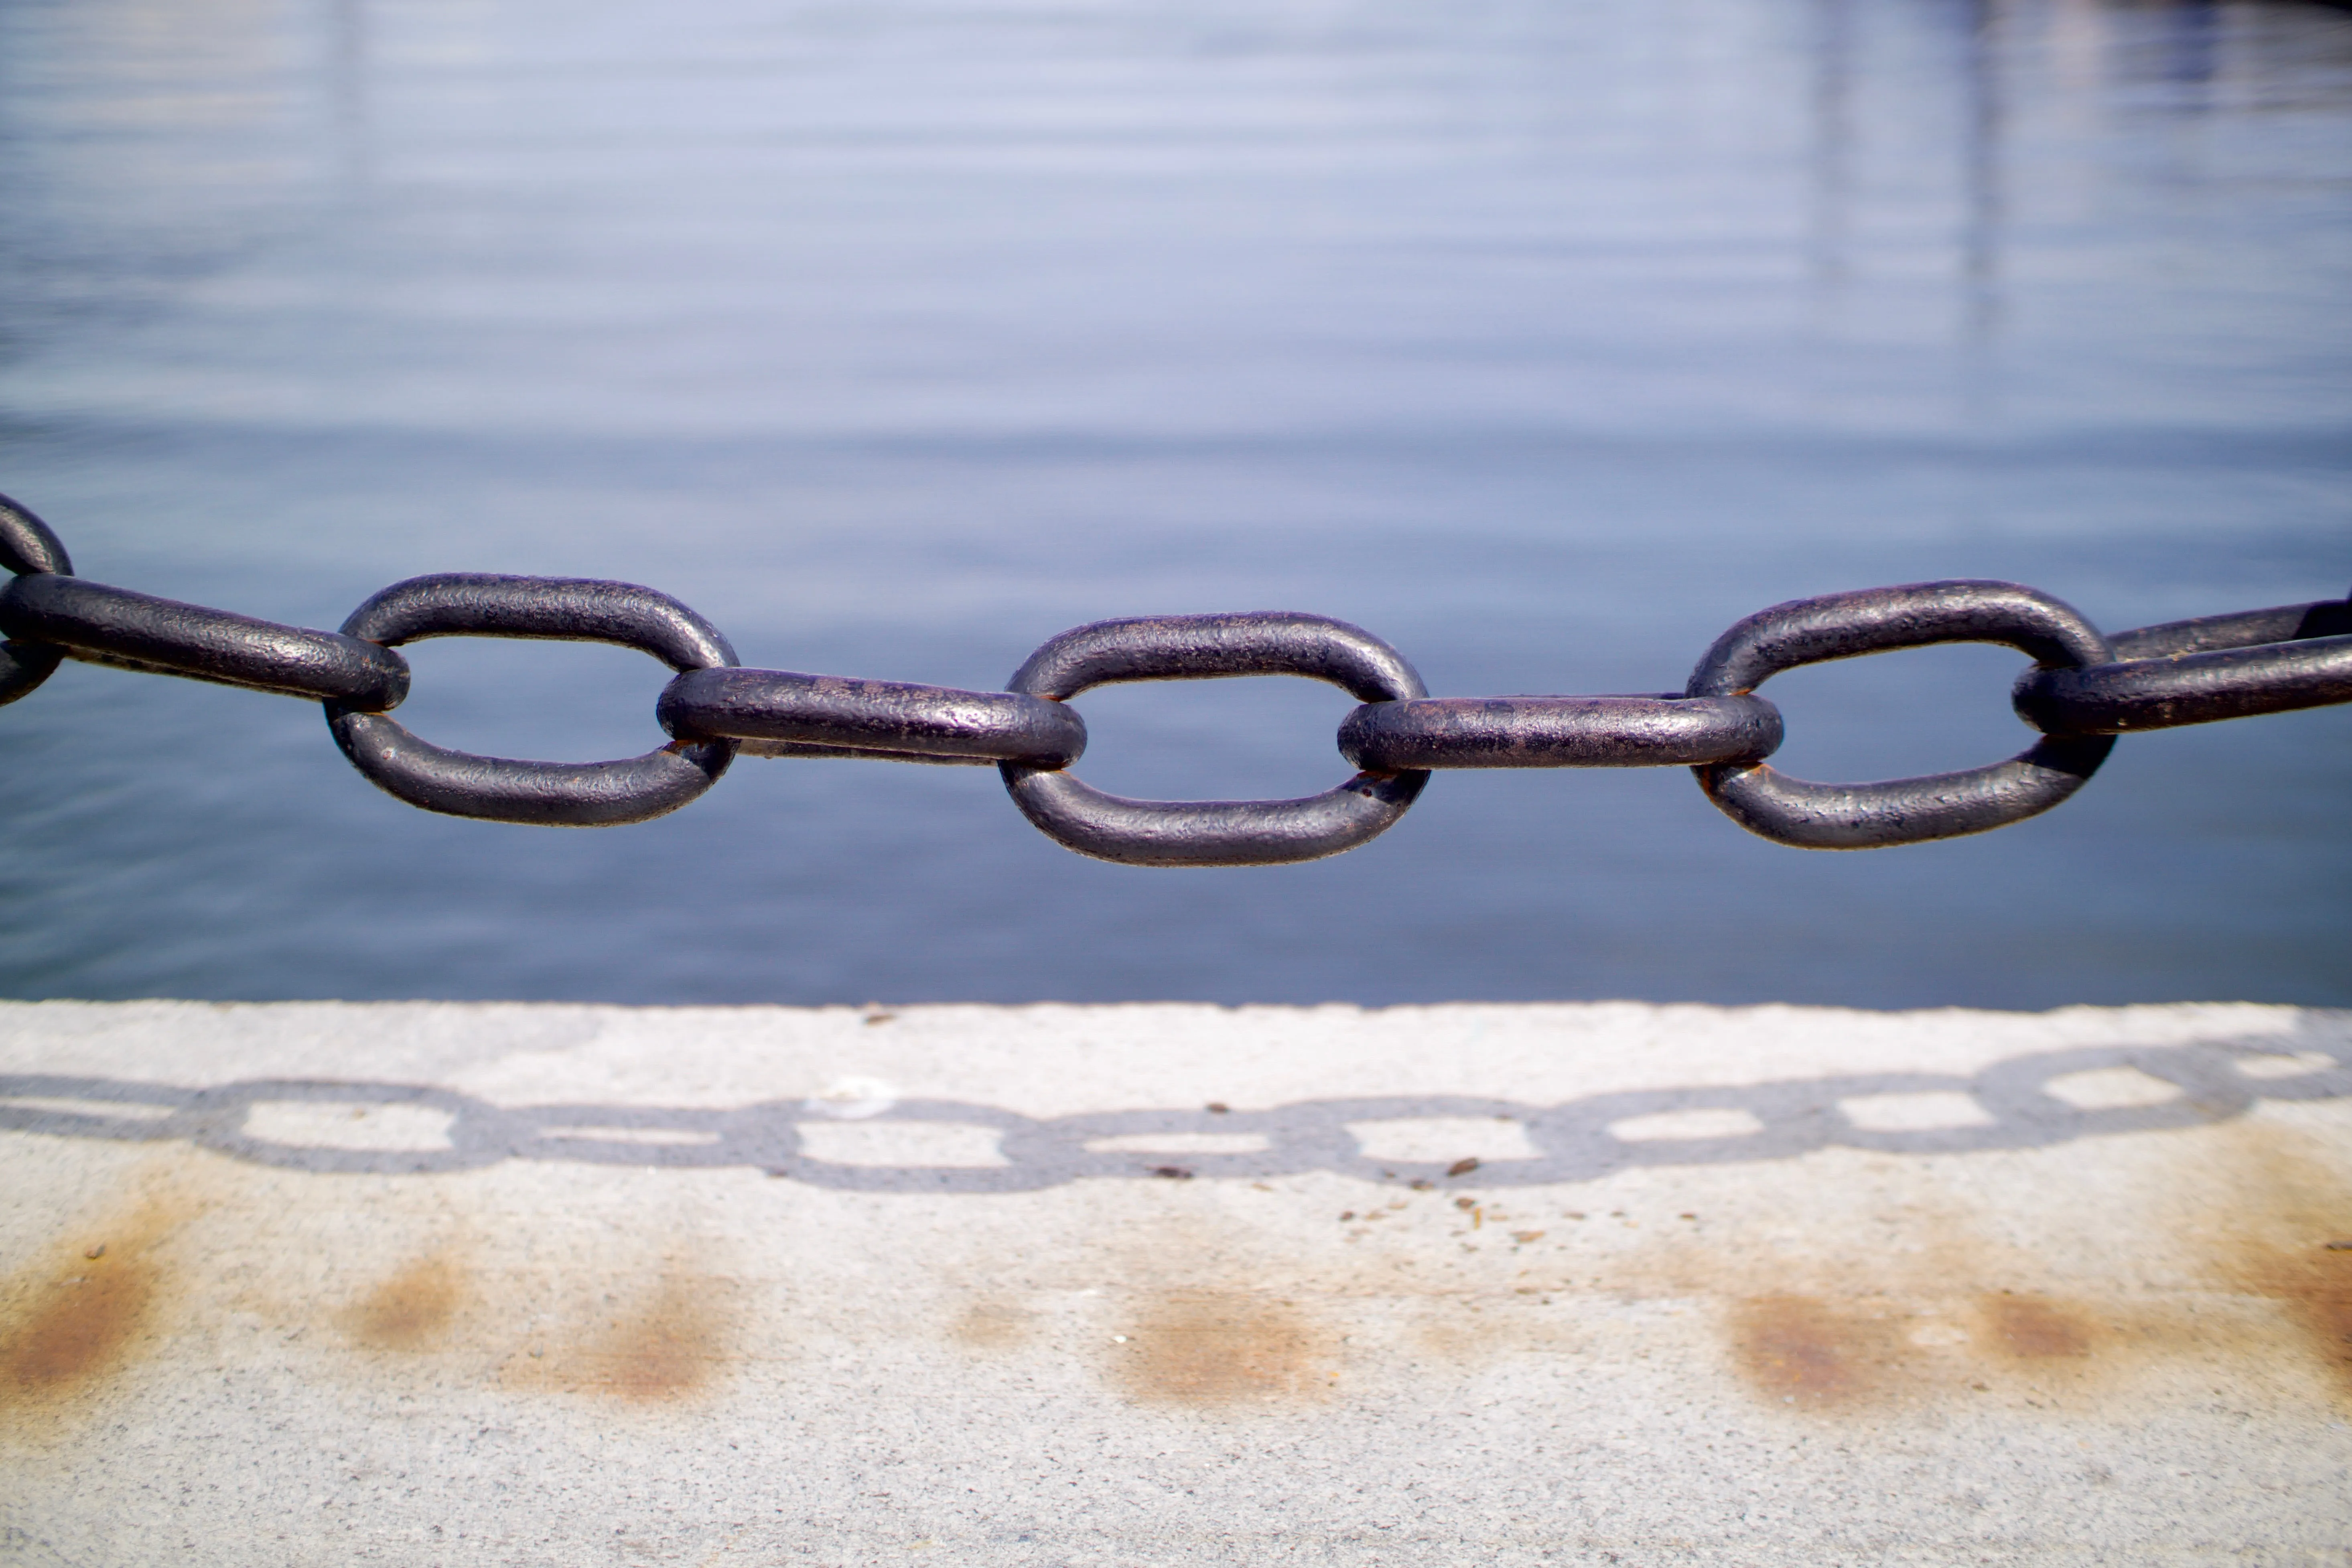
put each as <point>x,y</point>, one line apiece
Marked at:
<point>443,1284</point>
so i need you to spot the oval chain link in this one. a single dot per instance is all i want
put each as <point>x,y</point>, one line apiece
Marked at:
<point>504,789</point>
<point>1213,832</point>
<point>1879,620</point>
<point>28,548</point>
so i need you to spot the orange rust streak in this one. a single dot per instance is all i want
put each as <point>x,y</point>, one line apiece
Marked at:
<point>1221,1348</point>
<point>2315,1285</point>
<point>412,1309</point>
<point>990,1326</point>
<point>2031,1329</point>
<point>664,1352</point>
<point>666,1349</point>
<point>2292,1199</point>
<point>71,1320</point>
<point>1795,1347</point>
<point>76,1328</point>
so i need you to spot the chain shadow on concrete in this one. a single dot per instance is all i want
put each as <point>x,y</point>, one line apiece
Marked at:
<point>2027,1101</point>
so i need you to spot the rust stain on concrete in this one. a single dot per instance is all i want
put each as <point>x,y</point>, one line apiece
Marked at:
<point>664,1348</point>
<point>664,1344</point>
<point>2315,1285</point>
<point>1924,1297</point>
<point>412,1309</point>
<point>74,1327</point>
<point>1811,1353</point>
<point>76,1316</point>
<point>991,1324</point>
<point>2269,1233</point>
<point>2031,1327</point>
<point>1222,1348</point>
<point>2254,1217</point>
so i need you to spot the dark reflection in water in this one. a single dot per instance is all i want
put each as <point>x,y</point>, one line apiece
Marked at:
<point>1544,340</point>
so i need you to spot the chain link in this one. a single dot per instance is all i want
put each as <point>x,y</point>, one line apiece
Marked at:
<point>1878,620</point>
<point>502,789</point>
<point>1214,832</point>
<point>2082,690</point>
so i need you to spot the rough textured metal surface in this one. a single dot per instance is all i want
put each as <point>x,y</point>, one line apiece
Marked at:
<point>1876,620</point>
<point>1810,815</point>
<point>1205,647</point>
<point>2247,629</point>
<point>164,637</point>
<point>27,546</point>
<point>439,1284</point>
<point>562,609</point>
<point>2189,688</point>
<point>504,789</point>
<point>24,666</point>
<point>827,715</point>
<point>1108,826</point>
<point>1078,817</point>
<point>513,789</point>
<point>1640,732</point>
<point>2196,672</point>
<point>2085,690</point>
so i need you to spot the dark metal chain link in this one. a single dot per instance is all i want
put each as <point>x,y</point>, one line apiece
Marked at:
<point>2082,690</point>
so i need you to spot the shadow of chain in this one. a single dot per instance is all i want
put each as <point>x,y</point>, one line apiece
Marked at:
<point>2009,1104</point>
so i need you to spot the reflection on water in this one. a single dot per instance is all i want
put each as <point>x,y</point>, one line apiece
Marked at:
<point>1543,340</point>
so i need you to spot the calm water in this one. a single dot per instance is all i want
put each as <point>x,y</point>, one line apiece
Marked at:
<point>1543,339</point>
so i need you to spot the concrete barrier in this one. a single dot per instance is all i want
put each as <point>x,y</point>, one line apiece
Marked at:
<point>428,1284</point>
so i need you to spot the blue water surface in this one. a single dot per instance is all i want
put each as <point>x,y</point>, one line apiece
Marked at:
<point>1544,340</point>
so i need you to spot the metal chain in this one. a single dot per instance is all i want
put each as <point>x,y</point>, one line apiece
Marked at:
<point>2081,691</point>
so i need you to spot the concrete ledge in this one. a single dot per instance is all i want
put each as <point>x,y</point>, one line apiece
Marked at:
<point>1499,1284</point>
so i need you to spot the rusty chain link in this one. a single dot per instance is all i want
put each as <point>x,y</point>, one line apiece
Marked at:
<point>2082,690</point>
